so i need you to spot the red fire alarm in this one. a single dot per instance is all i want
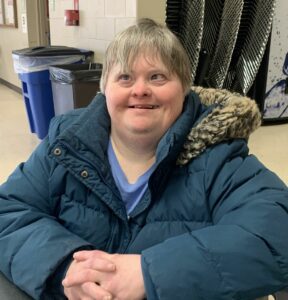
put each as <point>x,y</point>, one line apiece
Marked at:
<point>72,17</point>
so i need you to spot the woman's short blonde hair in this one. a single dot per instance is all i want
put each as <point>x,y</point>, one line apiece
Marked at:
<point>153,40</point>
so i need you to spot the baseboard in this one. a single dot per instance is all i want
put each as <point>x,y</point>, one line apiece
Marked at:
<point>11,86</point>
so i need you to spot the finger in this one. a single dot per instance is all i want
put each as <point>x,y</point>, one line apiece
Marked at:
<point>97,260</point>
<point>86,254</point>
<point>96,291</point>
<point>101,265</point>
<point>88,291</point>
<point>74,279</point>
<point>74,294</point>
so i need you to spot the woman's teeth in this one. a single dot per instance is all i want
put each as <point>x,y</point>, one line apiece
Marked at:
<point>144,106</point>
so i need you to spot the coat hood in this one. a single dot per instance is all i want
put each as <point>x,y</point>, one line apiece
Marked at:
<point>233,116</point>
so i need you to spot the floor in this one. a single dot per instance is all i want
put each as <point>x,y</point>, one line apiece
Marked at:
<point>269,143</point>
<point>16,141</point>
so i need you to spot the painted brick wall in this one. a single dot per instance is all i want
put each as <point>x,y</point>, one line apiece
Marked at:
<point>100,20</point>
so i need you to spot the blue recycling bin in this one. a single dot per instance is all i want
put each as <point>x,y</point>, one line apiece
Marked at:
<point>32,66</point>
<point>38,98</point>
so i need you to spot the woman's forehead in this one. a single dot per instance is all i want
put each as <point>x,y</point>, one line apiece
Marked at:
<point>151,59</point>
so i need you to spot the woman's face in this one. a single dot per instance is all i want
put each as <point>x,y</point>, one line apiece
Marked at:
<point>146,100</point>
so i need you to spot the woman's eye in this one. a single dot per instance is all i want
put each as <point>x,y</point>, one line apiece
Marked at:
<point>158,77</point>
<point>124,77</point>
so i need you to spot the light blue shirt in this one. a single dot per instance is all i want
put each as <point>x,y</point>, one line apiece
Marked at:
<point>131,193</point>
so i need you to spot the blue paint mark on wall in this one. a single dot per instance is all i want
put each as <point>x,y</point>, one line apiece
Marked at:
<point>276,100</point>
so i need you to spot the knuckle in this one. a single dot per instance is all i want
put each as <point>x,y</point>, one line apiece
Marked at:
<point>96,252</point>
<point>88,275</point>
<point>115,255</point>
<point>89,264</point>
<point>87,288</point>
<point>106,286</point>
<point>109,285</point>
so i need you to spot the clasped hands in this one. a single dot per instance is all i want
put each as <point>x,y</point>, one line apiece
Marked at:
<point>97,275</point>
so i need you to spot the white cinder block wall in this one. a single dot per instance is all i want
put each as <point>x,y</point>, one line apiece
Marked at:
<point>100,20</point>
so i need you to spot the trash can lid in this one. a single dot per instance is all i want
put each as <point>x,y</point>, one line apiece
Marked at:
<point>51,51</point>
<point>75,72</point>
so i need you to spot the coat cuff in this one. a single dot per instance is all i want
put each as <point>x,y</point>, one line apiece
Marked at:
<point>54,288</point>
<point>149,287</point>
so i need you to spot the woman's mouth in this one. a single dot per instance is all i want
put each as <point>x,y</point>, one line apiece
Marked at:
<point>144,106</point>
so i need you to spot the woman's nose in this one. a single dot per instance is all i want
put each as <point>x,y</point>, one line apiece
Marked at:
<point>141,88</point>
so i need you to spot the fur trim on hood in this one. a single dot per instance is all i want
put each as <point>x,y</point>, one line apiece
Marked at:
<point>234,116</point>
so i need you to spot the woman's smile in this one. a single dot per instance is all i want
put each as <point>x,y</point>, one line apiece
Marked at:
<point>144,106</point>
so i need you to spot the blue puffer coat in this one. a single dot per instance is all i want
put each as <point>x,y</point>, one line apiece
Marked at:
<point>212,225</point>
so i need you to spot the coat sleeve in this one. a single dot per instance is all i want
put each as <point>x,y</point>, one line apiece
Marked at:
<point>33,244</point>
<point>244,254</point>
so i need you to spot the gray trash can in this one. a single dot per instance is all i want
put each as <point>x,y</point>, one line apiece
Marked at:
<point>74,86</point>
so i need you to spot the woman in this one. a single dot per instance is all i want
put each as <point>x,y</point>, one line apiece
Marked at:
<point>147,193</point>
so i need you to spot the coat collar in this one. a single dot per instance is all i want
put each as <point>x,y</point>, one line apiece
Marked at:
<point>233,116</point>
